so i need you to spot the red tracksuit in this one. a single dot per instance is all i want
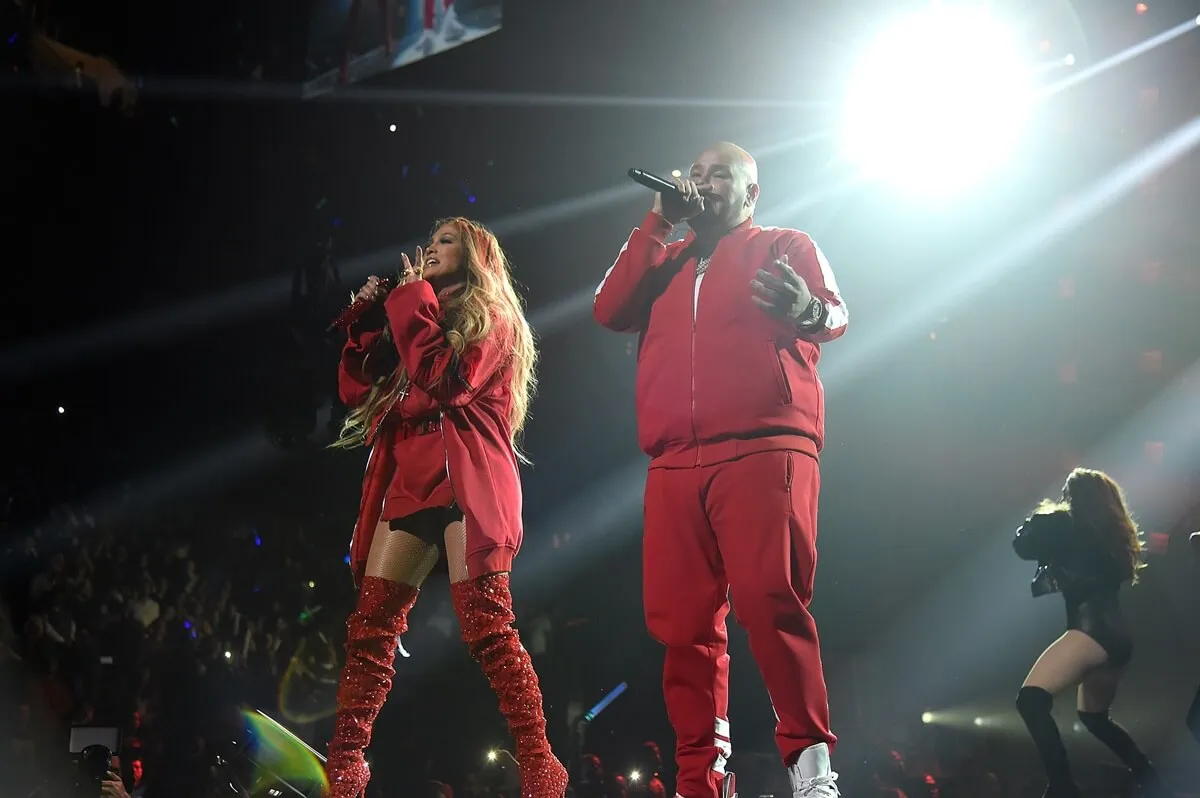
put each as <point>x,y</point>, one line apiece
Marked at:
<point>731,412</point>
<point>431,12</point>
<point>447,441</point>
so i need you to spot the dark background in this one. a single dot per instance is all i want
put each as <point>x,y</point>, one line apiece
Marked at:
<point>327,29</point>
<point>993,345</point>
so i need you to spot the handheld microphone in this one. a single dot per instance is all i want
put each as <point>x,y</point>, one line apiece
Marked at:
<point>652,182</point>
<point>358,307</point>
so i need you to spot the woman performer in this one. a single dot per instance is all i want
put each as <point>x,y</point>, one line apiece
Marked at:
<point>440,389</point>
<point>1086,546</point>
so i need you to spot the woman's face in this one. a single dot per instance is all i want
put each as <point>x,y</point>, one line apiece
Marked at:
<point>444,256</point>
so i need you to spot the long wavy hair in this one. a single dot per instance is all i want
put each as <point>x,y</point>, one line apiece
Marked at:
<point>1100,513</point>
<point>487,303</point>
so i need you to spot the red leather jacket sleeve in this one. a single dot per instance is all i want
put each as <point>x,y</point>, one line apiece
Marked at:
<point>433,366</point>
<point>624,297</point>
<point>807,260</point>
<point>353,382</point>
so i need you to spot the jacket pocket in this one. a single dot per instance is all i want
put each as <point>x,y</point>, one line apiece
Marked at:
<point>781,380</point>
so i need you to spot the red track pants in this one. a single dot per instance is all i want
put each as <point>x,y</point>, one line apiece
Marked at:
<point>430,12</point>
<point>745,528</point>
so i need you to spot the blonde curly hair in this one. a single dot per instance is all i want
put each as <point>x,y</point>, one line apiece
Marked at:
<point>489,299</point>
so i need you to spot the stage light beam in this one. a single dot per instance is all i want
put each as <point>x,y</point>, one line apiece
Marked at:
<point>937,101</point>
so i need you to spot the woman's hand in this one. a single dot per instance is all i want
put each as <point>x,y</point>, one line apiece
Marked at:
<point>412,270</point>
<point>373,290</point>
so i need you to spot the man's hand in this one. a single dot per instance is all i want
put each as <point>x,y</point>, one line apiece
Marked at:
<point>681,206</point>
<point>786,297</point>
<point>112,786</point>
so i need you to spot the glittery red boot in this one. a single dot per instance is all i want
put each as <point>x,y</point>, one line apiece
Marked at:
<point>484,609</point>
<point>380,617</point>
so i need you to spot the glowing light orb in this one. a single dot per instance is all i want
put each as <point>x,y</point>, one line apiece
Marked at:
<point>937,101</point>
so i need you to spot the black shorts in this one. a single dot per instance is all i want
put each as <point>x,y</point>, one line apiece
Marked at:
<point>429,524</point>
<point>1100,618</point>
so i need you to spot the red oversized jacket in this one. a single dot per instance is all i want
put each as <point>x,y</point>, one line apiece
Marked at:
<point>472,395</point>
<point>717,376</point>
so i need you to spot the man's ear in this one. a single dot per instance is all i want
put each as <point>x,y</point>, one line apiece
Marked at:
<point>752,195</point>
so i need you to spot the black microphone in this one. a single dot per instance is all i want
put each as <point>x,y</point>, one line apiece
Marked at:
<point>358,308</point>
<point>652,182</point>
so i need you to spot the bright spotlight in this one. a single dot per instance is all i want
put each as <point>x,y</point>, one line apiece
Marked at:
<point>392,128</point>
<point>61,410</point>
<point>927,717</point>
<point>635,776</point>
<point>978,721</point>
<point>491,756</point>
<point>228,655</point>
<point>937,100</point>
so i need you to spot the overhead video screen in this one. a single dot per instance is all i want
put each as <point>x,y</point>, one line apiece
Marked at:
<point>351,40</point>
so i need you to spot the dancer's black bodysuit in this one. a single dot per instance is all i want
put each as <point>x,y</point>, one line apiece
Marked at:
<point>1086,575</point>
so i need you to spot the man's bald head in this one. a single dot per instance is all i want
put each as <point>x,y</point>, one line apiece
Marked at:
<point>736,157</point>
<point>729,177</point>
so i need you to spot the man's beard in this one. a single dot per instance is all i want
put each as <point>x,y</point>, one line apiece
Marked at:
<point>710,221</point>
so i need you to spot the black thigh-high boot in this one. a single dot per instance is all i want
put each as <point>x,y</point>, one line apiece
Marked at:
<point>1035,705</point>
<point>1104,729</point>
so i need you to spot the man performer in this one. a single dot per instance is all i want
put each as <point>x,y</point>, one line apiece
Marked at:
<point>731,411</point>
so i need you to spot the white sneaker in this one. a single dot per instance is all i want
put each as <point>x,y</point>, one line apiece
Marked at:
<point>452,30</point>
<point>427,43</point>
<point>811,777</point>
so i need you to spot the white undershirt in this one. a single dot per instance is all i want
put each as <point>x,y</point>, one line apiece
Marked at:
<point>701,270</point>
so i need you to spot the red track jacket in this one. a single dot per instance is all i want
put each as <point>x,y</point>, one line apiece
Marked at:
<point>472,395</point>
<point>717,376</point>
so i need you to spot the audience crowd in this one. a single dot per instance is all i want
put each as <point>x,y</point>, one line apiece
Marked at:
<point>167,631</point>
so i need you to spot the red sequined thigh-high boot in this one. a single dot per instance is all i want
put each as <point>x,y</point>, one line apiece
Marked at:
<point>380,617</point>
<point>484,609</point>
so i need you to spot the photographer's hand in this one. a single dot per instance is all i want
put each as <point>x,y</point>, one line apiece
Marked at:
<point>112,786</point>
